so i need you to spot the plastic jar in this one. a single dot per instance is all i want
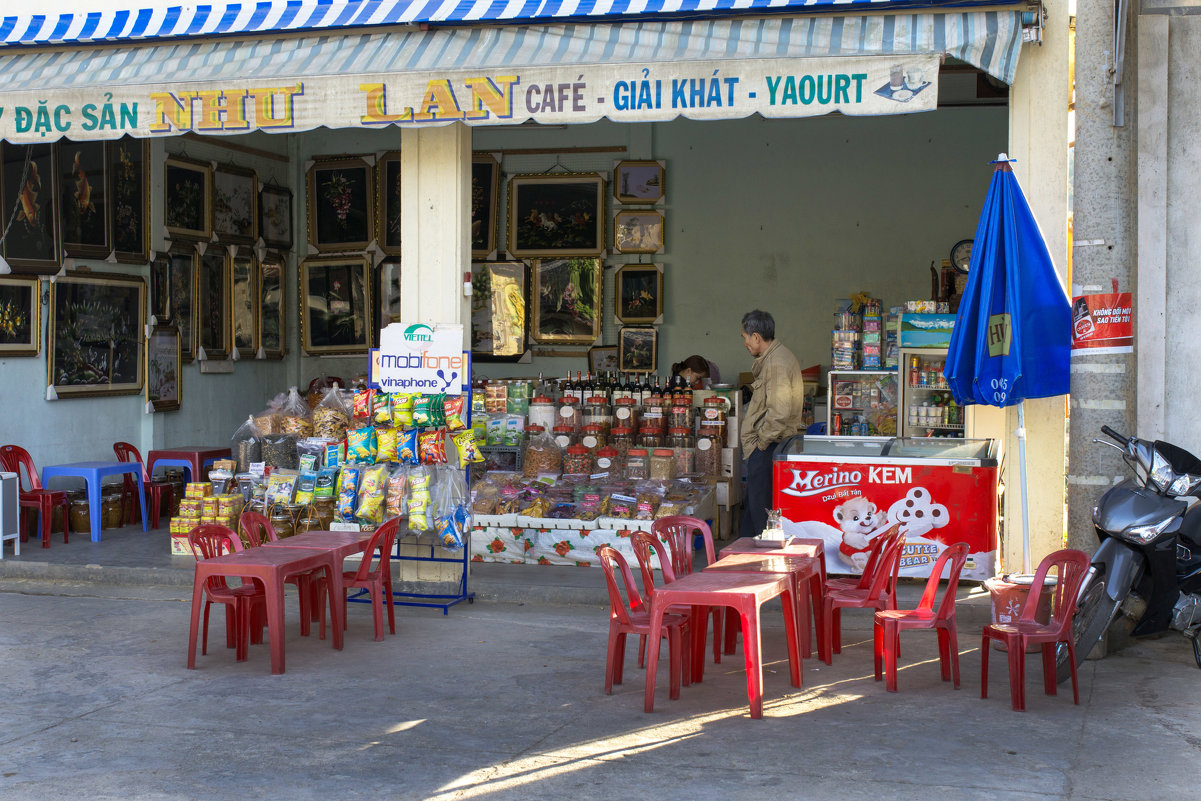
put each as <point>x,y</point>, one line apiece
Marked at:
<point>564,436</point>
<point>663,464</point>
<point>594,437</point>
<point>680,416</point>
<point>577,459</point>
<point>608,460</point>
<point>542,412</point>
<point>707,458</point>
<point>637,463</point>
<point>680,438</point>
<point>281,521</point>
<point>569,413</point>
<point>713,419</point>
<point>625,413</point>
<point>597,411</point>
<point>622,439</point>
<point>654,412</point>
<point>650,437</point>
<point>79,514</point>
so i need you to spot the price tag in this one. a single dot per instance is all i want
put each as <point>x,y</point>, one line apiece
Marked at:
<point>258,468</point>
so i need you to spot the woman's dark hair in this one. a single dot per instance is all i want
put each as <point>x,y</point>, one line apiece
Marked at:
<point>697,364</point>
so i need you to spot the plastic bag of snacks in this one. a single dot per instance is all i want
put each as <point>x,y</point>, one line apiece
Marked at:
<point>373,488</point>
<point>248,444</point>
<point>325,485</point>
<point>422,417</point>
<point>542,454</point>
<point>280,487</point>
<point>433,446</point>
<point>310,453</point>
<point>306,487</point>
<point>451,500</point>
<point>297,416</point>
<point>269,421</point>
<point>467,448</point>
<point>381,409</point>
<point>385,438</point>
<point>398,491</point>
<point>407,450</point>
<point>419,503</point>
<point>348,491</point>
<point>362,405</point>
<point>331,418</point>
<point>335,453</point>
<point>279,450</point>
<point>402,409</point>
<point>452,409</point>
<point>362,446</point>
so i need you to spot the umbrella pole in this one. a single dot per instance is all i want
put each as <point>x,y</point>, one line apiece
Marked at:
<point>1021,432</point>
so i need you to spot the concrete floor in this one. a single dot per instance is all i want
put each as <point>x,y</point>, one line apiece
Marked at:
<point>502,699</point>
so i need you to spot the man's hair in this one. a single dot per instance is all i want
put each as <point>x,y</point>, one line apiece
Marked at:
<point>761,323</point>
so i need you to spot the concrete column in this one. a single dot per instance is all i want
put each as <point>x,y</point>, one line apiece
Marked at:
<point>1038,139</point>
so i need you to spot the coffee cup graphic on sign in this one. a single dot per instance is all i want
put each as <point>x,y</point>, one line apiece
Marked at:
<point>896,76</point>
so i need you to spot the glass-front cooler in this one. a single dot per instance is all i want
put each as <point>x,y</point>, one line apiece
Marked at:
<point>862,403</point>
<point>927,407</point>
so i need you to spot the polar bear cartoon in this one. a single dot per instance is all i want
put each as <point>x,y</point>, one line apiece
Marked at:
<point>858,518</point>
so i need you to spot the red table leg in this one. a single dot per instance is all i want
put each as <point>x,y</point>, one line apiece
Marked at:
<point>193,628</point>
<point>753,656</point>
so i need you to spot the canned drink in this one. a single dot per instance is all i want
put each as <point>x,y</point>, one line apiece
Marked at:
<point>837,426</point>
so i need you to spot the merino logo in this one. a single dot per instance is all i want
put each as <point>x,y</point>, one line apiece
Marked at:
<point>813,482</point>
<point>418,332</point>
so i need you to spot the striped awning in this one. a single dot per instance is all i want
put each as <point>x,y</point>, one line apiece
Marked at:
<point>74,21</point>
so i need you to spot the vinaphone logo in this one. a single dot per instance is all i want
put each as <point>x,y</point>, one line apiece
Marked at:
<point>418,332</point>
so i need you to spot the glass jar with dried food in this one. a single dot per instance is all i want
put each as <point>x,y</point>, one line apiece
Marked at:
<point>594,437</point>
<point>542,412</point>
<point>713,419</point>
<point>650,437</point>
<point>680,438</point>
<point>622,439</point>
<point>598,412</point>
<point>565,436</point>
<point>569,413</point>
<point>541,454</point>
<point>577,460</point>
<point>680,416</point>
<point>608,460</point>
<point>637,464</point>
<point>281,521</point>
<point>663,464</point>
<point>625,413</point>
<point>707,460</point>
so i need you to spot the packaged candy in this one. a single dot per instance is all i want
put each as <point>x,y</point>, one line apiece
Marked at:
<point>385,439</point>
<point>306,487</point>
<point>433,446</point>
<point>421,411</point>
<point>324,486</point>
<point>402,409</point>
<point>453,409</point>
<point>361,446</point>
<point>372,489</point>
<point>335,453</point>
<point>280,486</point>
<point>398,490</point>
<point>437,411</point>
<point>348,491</point>
<point>381,410</point>
<point>467,448</point>
<point>362,404</point>
<point>406,446</point>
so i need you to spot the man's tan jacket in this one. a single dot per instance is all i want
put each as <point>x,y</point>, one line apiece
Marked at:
<point>777,402</point>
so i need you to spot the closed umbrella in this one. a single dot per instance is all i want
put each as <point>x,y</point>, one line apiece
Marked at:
<point>1012,334</point>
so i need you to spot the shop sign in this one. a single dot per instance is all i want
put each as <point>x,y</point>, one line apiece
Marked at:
<point>421,358</point>
<point>1103,323</point>
<point>563,94</point>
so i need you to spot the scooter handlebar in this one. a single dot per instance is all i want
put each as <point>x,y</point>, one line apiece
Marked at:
<point>1109,432</point>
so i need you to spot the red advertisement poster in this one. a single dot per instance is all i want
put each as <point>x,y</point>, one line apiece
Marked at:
<point>1103,323</point>
<point>848,502</point>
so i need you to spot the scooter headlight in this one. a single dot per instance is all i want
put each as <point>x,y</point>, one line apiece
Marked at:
<point>1161,475</point>
<point>1145,534</point>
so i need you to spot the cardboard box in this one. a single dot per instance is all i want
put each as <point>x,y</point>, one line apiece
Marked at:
<point>179,545</point>
<point>925,330</point>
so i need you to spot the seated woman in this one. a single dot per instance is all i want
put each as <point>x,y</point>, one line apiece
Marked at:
<point>699,372</point>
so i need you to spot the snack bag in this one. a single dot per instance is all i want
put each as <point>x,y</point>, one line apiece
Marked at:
<point>419,502</point>
<point>398,490</point>
<point>326,482</point>
<point>437,410</point>
<point>385,439</point>
<point>467,448</point>
<point>362,404</point>
<point>421,411</point>
<point>248,445</point>
<point>433,446</point>
<point>309,453</point>
<point>372,490</point>
<point>280,486</point>
<point>297,416</point>
<point>306,487</point>
<point>331,418</point>
<point>362,446</point>
<point>381,409</point>
<point>402,409</point>
<point>407,446</point>
<point>453,409</point>
<point>348,491</point>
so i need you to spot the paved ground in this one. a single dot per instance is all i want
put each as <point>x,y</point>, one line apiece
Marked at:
<point>503,700</point>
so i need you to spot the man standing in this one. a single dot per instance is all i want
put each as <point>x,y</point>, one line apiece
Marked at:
<point>773,414</point>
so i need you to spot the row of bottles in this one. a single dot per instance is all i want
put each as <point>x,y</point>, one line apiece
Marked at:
<point>612,386</point>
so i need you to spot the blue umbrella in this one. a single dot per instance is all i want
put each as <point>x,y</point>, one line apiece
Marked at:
<point>1012,334</point>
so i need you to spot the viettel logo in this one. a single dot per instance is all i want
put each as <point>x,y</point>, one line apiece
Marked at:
<point>419,332</point>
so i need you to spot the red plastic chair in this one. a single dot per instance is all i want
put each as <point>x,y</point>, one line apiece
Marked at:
<point>12,459</point>
<point>255,529</point>
<point>645,545</point>
<point>156,491</point>
<point>863,580</point>
<point>889,623</point>
<point>679,532</point>
<point>881,593</point>
<point>633,617</point>
<point>1070,567</point>
<point>378,582</point>
<point>207,541</point>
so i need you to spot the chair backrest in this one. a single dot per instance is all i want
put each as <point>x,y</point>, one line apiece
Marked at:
<point>13,458</point>
<point>678,531</point>
<point>644,546</point>
<point>380,541</point>
<point>211,539</point>
<point>620,607</point>
<point>256,529</point>
<point>1070,568</point>
<point>888,566</point>
<point>956,555</point>
<point>128,453</point>
<point>874,549</point>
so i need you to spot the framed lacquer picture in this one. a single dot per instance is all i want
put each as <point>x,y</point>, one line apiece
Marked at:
<point>341,204</point>
<point>235,205</point>
<point>96,334</point>
<point>639,290</point>
<point>83,190</point>
<point>556,215</point>
<point>31,208</point>
<point>637,349</point>
<point>565,300</point>
<point>244,303</point>
<point>499,323</point>
<point>271,306</point>
<point>212,303</point>
<point>638,231</point>
<point>485,199</point>
<point>20,315</point>
<point>638,182</point>
<point>129,198</point>
<point>275,217</point>
<point>163,374</point>
<point>335,305</point>
<point>387,203</point>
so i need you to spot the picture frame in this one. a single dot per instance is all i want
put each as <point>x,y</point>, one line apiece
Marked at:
<point>556,215</point>
<point>387,294</point>
<point>275,216</point>
<point>83,191</point>
<point>387,203</point>
<point>638,348</point>
<point>96,341</point>
<point>20,315</point>
<point>603,358</point>
<point>638,291</point>
<point>341,204</point>
<point>164,376</point>
<point>33,244</point>
<point>180,268</point>
<point>638,182</point>
<point>272,330</point>
<point>129,198</point>
<point>499,320</point>
<point>244,303</point>
<point>566,300</point>
<point>638,231</point>
<point>160,289</point>
<point>187,198</point>
<point>334,304</point>
<point>485,202</point>
<point>235,201</point>
<point>212,303</point>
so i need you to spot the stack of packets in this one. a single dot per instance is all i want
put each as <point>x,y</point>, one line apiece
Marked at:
<point>199,506</point>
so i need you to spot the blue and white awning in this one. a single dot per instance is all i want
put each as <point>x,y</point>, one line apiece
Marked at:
<point>39,22</point>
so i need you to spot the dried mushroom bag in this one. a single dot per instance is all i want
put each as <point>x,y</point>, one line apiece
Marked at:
<point>373,488</point>
<point>297,417</point>
<point>248,445</point>
<point>331,418</point>
<point>279,450</point>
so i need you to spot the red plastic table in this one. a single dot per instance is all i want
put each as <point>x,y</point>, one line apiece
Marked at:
<point>93,474</point>
<point>269,566</point>
<point>192,457</point>
<point>342,543</point>
<point>795,546</point>
<point>803,571</point>
<point>745,592</point>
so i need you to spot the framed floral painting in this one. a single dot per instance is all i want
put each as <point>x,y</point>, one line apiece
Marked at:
<point>177,269</point>
<point>235,205</point>
<point>244,303</point>
<point>556,215</point>
<point>387,203</point>
<point>639,290</point>
<point>485,199</point>
<point>341,204</point>
<point>31,202</point>
<point>637,349</point>
<point>212,304</point>
<point>96,334</point>
<point>638,232</point>
<point>83,189</point>
<point>20,315</point>
<point>566,299</point>
<point>637,182</point>
<point>499,324</point>
<point>275,217</point>
<point>334,305</point>
<point>163,374</point>
<point>271,306</point>
<point>129,198</point>
<point>187,198</point>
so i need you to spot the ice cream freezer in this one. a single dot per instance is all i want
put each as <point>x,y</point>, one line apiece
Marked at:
<point>847,492</point>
